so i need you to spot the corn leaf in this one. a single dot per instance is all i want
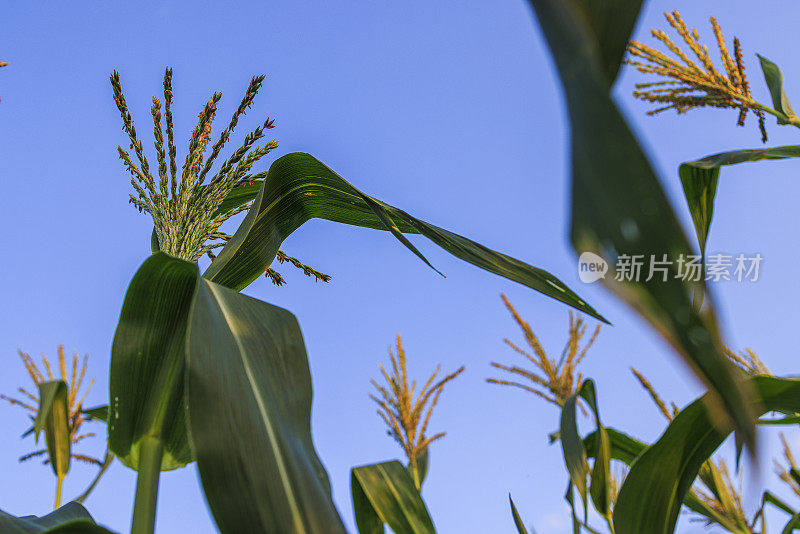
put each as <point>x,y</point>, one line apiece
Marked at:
<point>53,418</point>
<point>72,518</point>
<point>774,79</point>
<point>386,491</point>
<point>517,519</point>
<point>700,178</point>
<point>572,448</point>
<point>298,188</point>
<point>99,413</point>
<point>147,362</point>
<point>660,478</point>
<point>600,481</point>
<point>618,205</point>
<point>248,395</point>
<point>622,447</point>
<point>575,453</point>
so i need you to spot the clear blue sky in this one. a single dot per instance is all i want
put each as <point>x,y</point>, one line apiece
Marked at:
<point>450,110</point>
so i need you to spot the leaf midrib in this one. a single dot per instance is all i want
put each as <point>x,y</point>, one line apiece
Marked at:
<point>271,434</point>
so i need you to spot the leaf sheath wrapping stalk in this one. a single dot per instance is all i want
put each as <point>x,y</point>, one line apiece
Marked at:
<point>147,362</point>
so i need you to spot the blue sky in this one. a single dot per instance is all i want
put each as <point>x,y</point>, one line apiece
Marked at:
<point>449,110</point>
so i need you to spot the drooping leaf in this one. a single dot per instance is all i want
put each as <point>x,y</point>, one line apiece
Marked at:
<point>249,404</point>
<point>103,468</point>
<point>147,362</point>
<point>624,448</point>
<point>789,420</point>
<point>53,418</point>
<point>774,79</point>
<point>659,479</point>
<point>575,455</point>
<point>700,178</point>
<point>298,188</point>
<point>572,448</point>
<point>699,189</point>
<point>99,413</point>
<point>72,518</point>
<point>517,519</point>
<point>619,208</point>
<point>389,491</point>
<point>600,480</point>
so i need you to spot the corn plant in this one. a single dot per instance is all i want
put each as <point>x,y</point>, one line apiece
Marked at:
<point>624,483</point>
<point>619,207</point>
<point>203,374</point>
<point>389,493</point>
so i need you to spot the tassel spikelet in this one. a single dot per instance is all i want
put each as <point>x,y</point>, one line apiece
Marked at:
<point>75,396</point>
<point>553,380</point>
<point>784,471</point>
<point>408,416</point>
<point>185,209</point>
<point>688,83</point>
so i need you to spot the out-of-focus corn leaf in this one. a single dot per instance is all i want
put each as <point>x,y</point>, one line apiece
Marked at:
<point>701,177</point>
<point>660,478</point>
<point>618,206</point>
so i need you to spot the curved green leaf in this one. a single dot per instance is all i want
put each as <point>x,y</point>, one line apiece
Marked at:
<point>619,207</point>
<point>248,394</point>
<point>53,418</point>
<point>623,447</point>
<point>147,362</point>
<point>572,448</point>
<point>575,454</point>
<point>600,481</point>
<point>774,79</point>
<point>659,479</point>
<point>99,413</point>
<point>700,177</point>
<point>298,188</point>
<point>386,491</point>
<point>72,518</point>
